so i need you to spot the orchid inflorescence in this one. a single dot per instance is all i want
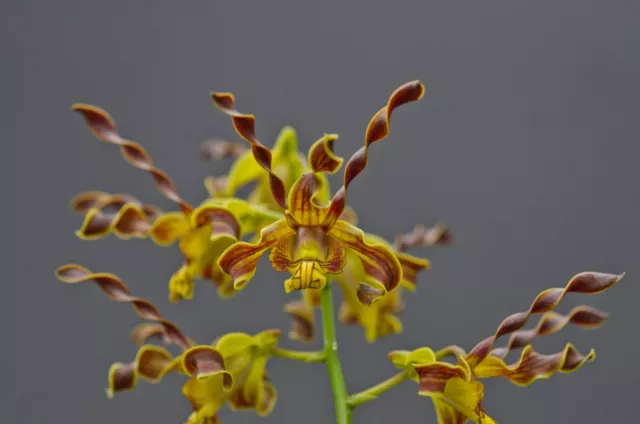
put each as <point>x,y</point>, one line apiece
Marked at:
<point>314,237</point>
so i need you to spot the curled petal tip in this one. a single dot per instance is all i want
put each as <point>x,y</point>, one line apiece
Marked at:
<point>71,273</point>
<point>244,124</point>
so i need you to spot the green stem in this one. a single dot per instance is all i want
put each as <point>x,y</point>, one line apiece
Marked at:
<point>343,412</point>
<point>373,392</point>
<point>298,355</point>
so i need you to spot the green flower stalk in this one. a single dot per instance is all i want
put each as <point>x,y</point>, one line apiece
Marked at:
<point>313,237</point>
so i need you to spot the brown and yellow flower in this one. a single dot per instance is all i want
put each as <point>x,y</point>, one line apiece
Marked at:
<point>456,390</point>
<point>203,233</point>
<point>231,370</point>
<point>312,241</point>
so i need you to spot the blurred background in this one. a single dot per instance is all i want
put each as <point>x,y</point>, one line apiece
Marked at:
<point>525,145</point>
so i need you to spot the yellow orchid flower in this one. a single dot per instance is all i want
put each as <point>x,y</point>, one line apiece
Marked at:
<point>203,233</point>
<point>203,236</point>
<point>231,370</point>
<point>312,241</point>
<point>246,357</point>
<point>456,390</point>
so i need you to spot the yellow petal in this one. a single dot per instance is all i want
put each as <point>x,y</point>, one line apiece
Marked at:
<point>456,395</point>
<point>169,227</point>
<point>244,170</point>
<point>206,365</point>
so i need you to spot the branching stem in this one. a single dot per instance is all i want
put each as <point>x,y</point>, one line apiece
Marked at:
<point>372,392</point>
<point>298,355</point>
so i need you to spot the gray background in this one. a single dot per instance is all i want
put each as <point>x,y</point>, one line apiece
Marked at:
<point>525,144</point>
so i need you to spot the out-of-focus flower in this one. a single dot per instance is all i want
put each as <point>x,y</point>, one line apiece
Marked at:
<point>456,390</point>
<point>312,241</point>
<point>231,370</point>
<point>203,233</point>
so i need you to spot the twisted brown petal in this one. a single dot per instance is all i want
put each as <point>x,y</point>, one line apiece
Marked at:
<point>127,222</point>
<point>585,282</point>
<point>422,236</point>
<point>550,323</point>
<point>151,363</point>
<point>533,366</point>
<point>104,128</point>
<point>245,127</point>
<point>220,149</point>
<point>146,331</point>
<point>377,130</point>
<point>109,203</point>
<point>117,291</point>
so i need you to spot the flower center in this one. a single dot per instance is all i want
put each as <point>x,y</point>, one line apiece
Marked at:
<point>309,252</point>
<point>305,275</point>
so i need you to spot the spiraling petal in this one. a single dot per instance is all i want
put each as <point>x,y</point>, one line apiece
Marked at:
<point>585,283</point>
<point>151,363</point>
<point>550,323</point>
<point>104,128</point>
<point>117,291</point>
<point>245,127</point>
<point>146,331</point>
<point>377,130</point>
<point>381,266</point>
<point>533,366</point>
<point>110,203</point>
<point>321,155</point>
<point>128,222</point>
<point>240,259</point>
